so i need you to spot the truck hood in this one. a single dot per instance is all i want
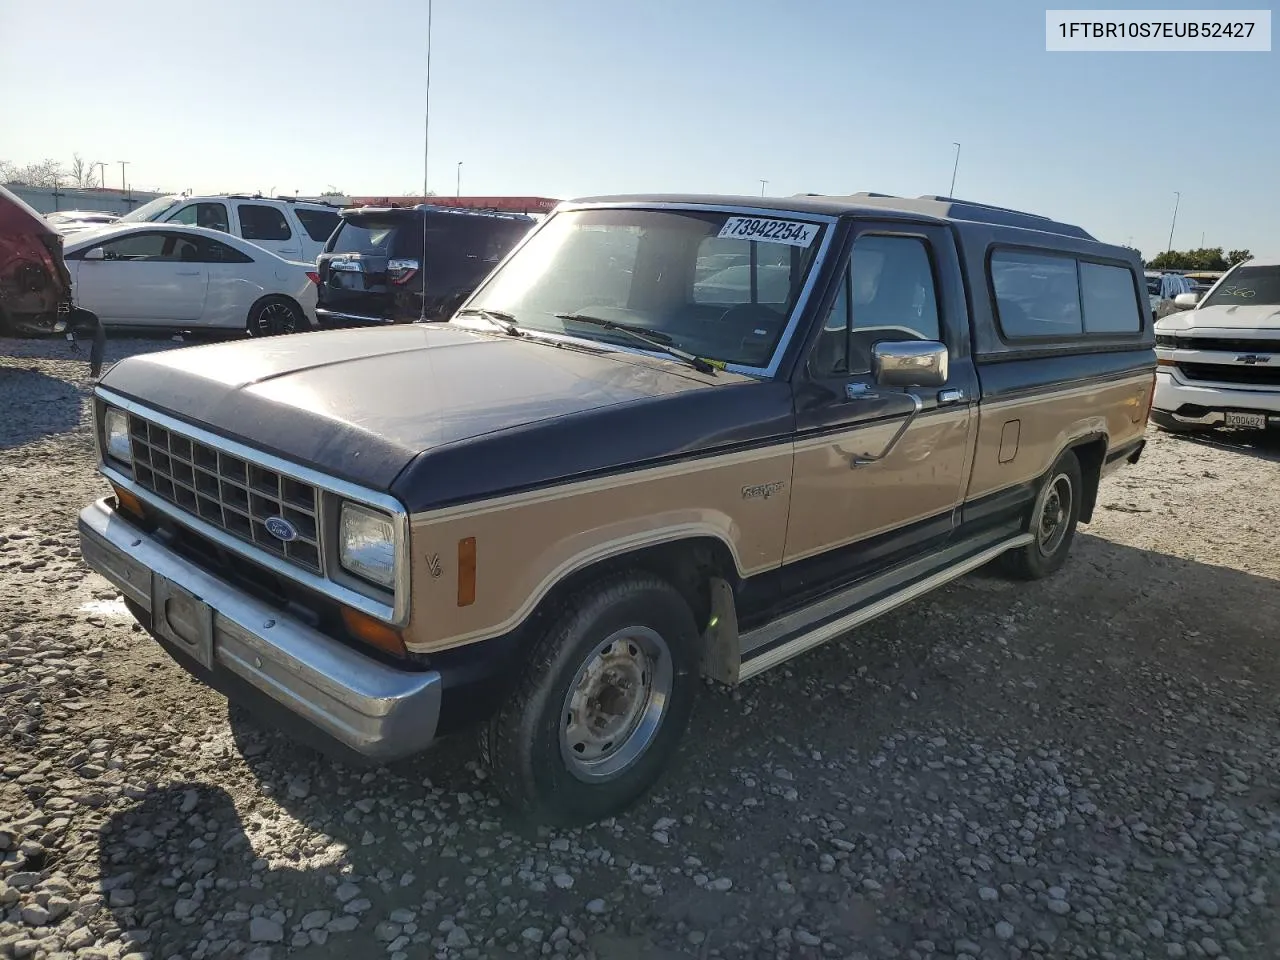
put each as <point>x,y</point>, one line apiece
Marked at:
<point>1265,316</point>
<point>362,404</point>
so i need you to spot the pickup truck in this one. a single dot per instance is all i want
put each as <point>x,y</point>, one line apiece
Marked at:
<point>606,477</point>
<point>1219,359</point>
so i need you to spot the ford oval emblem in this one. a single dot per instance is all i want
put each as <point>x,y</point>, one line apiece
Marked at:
<point>280,528</point>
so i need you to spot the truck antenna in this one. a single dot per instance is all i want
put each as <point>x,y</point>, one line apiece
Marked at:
<point>426,154</point>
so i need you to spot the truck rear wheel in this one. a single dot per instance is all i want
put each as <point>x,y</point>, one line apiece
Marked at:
<point>604,699</point>
<point>1053,523</point>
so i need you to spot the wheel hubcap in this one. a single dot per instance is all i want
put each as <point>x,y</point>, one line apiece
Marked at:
<point>276,318</point>
<point>1055,513</point>
<point>616,703</point>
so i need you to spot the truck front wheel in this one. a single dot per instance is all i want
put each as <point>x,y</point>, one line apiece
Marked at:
<point>600,708</point>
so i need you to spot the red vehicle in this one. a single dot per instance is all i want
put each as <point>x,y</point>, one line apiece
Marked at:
<point>35,287</point>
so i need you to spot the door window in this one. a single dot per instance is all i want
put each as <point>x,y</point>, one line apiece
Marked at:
<point>260,222</point>
<point>151,248</point>
<point>213,251</point>
<point>886,293</point>
<point>211,216</point>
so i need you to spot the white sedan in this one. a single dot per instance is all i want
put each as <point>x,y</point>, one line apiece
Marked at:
<point>163,275</point>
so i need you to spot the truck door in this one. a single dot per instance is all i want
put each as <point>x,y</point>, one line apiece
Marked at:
<point>848,516</point>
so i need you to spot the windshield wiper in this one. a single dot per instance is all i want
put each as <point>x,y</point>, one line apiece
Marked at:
<point>505,320</point>
<point>655,339</point>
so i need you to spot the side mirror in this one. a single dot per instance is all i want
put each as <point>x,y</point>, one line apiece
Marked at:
<point>94,254</point>
<point>1186,301</point>
<point>910,363</point>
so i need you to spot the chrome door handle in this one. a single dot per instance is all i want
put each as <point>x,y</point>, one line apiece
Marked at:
<point>948,397</point>
<point>863,459</point>
<point>859,391</point>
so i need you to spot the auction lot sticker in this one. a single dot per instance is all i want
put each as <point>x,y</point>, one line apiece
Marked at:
<point>791,232</point>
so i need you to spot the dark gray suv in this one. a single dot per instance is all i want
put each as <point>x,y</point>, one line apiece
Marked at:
<point>376,265</point>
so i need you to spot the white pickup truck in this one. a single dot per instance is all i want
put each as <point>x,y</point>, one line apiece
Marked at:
<point>293,229</point>
<point>1219,358</point>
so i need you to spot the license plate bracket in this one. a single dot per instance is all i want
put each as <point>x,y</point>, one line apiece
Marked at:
<point>184,619</point>
<point>1253,421</point>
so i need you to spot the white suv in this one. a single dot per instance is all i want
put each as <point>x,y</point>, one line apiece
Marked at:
<point>1219,363</point>
<point>293,229</point>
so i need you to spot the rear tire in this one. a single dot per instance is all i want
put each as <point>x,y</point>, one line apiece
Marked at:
<point>1053,523</point>
<point>273,316</point>
<point>601,706</point>
<point>1168,424</point>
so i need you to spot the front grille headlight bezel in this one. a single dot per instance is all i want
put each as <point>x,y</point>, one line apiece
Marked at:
<point>389,604</point>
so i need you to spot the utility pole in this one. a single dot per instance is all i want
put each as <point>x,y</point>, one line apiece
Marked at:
<point>954,168</point>
<point>123,187</point>
<point>1177,200</point>
<point>459,178</point>
<point>102,173</point>
<point>763,184</point>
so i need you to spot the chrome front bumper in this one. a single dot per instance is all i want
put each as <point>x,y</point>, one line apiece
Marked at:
<point>1210,402</point>
<point>378,711</point>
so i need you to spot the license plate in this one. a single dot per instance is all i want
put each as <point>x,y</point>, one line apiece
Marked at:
<point>183,619</point>
<point>1254,421</point>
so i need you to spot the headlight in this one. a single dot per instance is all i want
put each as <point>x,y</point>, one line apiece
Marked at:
<point>1166,340</point>
<point>115,436</point>
<point>367,544</point>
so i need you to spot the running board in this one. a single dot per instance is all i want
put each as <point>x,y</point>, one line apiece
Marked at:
<point>830,629</point>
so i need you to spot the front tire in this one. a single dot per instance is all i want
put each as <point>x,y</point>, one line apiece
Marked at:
<point>273,316</point>
<point>600,708</point>
<point>1053,523</point>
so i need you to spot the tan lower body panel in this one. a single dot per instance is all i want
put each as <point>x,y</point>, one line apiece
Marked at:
<point>525,544</point>
<point>768,506</point>
<point>1047,423</point>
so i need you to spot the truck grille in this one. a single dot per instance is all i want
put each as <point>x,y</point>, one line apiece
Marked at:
<point>235,495</point>
<point>1231,373</point>
<point>1228,345</point>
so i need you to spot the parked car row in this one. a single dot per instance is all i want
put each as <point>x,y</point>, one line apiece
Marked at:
<point>265,265</point>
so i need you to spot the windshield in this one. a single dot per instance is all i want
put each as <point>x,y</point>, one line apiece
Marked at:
<point>1247,285</point>
<point>716,285</point>
<point>150,211</point>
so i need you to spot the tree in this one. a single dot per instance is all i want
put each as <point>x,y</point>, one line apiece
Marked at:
<point>1205,258</point>
<point>45,173</point>
<point>82,174</point>
<point>1238,256</point>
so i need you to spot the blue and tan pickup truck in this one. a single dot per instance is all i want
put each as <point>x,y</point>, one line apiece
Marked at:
<point>667,437</point>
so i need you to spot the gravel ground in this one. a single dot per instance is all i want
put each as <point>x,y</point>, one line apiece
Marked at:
<point>1088,766</point>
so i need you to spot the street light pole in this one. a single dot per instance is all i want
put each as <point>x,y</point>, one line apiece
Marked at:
<point>459,178</point>
<point>102,173</point>
<point>763,184</point>
<point>954,168</point>
<point>1177,199</point>
<point>123,188</point>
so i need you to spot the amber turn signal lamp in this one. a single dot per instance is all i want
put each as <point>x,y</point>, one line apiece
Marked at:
<point>1161,362</point>
<point>467,572</point>
<point>127,501</point>
<point>373,632</point>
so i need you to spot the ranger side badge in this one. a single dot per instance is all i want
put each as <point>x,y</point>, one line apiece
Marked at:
<point>762,491</point>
